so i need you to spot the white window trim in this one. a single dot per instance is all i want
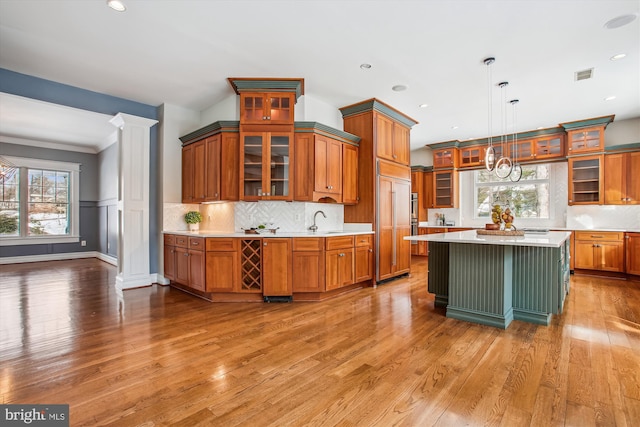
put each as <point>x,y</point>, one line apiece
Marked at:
<point>74,202</point>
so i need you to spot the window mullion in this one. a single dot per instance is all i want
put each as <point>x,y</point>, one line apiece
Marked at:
<point>23,189</point>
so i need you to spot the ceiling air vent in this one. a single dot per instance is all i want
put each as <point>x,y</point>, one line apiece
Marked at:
<point>584,74</point>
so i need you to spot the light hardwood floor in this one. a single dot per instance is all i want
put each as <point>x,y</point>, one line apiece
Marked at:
<point>374,357</point>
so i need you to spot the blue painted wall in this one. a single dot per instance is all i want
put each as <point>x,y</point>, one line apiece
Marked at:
<point>57,93</point>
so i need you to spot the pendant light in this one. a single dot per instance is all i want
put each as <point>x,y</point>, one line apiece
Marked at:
<point>516,173</point>
<point>490,153</point>
<point>504,166</point>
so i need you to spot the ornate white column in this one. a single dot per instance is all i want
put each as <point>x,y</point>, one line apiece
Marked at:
<point>133,200</point>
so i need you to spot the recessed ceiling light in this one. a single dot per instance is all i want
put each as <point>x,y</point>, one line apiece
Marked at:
<point>423,105</point>
<point>610,98</point>
<point>620,21</point>
<point>455,127</point>
<point>618,56</point>
<point>365,66</point>
<point>116,5</point>
<point>399,88</point>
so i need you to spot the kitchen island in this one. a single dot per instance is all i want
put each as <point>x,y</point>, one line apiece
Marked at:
<point>493,280</point>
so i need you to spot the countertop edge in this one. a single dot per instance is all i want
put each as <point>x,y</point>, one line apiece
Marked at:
<point>284,234</point>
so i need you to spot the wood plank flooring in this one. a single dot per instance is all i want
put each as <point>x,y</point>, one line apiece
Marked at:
<point>375,357</point>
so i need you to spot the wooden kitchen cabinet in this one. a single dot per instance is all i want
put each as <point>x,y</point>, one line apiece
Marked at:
<point>328,166</point>
<point>267,108</point>
<point>586,180</point>
<point>363,257</point>
<point>393,140</point>
<point>169,257</point>
<point>394,224</point>
<point>308,271</point>
<point>339,262</point>
<point>445,158</point>
<point>599,250</point>
<point>222,167</point>
<point>277,277</point>
<point>549,147</point>
<point>193,172</point>
<point>266,168</point>
<point>472,156</point>
<point>632,265</point>
<point>222,264</point>
<point>349,174</point>
<point>621,182</point>
<point>585,140</point>
<point>445,189</point>
<point>189,262</point>
<point>428,191</point>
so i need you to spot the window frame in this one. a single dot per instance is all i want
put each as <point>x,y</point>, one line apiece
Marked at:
<point>74,202</point>
<point>549,181</point>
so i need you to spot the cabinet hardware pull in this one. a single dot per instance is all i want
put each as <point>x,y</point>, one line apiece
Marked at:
<point>264,244</point>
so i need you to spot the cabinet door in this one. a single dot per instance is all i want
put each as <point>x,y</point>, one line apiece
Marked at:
<point>278,167</point>
<point>394,222</point>
<point>252,152</point>
<point>267,108</point>
<point>222,271</point>
<point>610,256</point>
<point>308,271</point>
<point>199,171</point>
<point>385,232</point>
<point>182,266</point>
<point>522,150</point>
<point>213,162</point>
<point>276,267</point>
<point>400,144</point>
<point>364,264</point>
<point>586,140</point>
<point>446,158</point>
<point>615,177</point>
<point>549,147</point>
<point>229,166</point>
<point>281,108</point>
<point>445,189</point>
<point>169,262</point>
<point>187,174</point>
<point>633,182</point>
<point>402,214</point>
<point>585,255</point>
<point>196,270</point>
<point>328,165</point>
<point>633,253</point>
<point>384,137</point>
<point>471,156</point>
<point>428,190</point>
<point>349,174</point>
<point>585,180</point>
<point>339,269</point>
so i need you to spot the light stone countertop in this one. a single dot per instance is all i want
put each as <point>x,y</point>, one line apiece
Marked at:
<point>551,239</point>
<point>278,233</point>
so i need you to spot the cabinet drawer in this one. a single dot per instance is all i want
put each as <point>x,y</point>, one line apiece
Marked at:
<point>182,241</point>
<point>339,242</point>
<point>196,243</point>
<point>223,244</point>
<point>436,230</point>
<point>308,244</point>
<point>599,235</point>
<point>169,240</point>
<point>364,240</point>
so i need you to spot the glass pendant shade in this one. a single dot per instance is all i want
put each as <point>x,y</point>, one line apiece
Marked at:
<point>516,173</point>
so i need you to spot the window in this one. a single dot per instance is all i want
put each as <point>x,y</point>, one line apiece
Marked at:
<point>528,198</point>
<point>39,202</point>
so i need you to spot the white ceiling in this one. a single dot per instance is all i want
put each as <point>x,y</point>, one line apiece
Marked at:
<point>181,52</point>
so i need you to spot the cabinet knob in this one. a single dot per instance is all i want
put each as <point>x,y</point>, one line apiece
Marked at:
<point>264,117</point>
<point>264,244</point>
<point>370,250</point>
<point>341,255</point>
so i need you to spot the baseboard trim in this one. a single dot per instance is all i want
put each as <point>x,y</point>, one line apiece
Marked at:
<point>58,257</point>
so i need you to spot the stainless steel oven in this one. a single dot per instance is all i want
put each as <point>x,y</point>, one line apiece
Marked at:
<point>414,216</point>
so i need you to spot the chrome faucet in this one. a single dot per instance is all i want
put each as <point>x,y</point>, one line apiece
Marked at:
<point>314,227</point>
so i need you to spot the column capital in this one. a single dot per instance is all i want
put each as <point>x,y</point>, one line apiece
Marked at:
<point>120,120</point>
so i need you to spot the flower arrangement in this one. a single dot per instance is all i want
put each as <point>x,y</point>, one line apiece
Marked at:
<point>193,218</point>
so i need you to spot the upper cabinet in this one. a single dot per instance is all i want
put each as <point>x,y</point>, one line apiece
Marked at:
<point>267,101</point>
<point>585,180</point>
<point>586,136</point>
<point>445,157</point>
<point>210,164</point>
<point>620,186</point>
<point>266,165</point>
<point>267,108</point>
<point>393,140</point>
<point>325,164</point>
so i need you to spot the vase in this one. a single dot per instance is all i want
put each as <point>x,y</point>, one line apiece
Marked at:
<point>194,227</point>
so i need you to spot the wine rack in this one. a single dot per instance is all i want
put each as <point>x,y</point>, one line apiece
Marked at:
<point>251,267</point>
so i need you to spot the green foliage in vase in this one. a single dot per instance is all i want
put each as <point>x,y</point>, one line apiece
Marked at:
<point>193,217</point>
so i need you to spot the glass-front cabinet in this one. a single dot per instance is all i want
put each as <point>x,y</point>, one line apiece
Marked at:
<point>586,140</point>
<point>266,169</point>
<point>585,180</point>
<point>267,108</point>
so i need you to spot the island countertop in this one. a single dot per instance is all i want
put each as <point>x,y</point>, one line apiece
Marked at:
<point>550,239</point>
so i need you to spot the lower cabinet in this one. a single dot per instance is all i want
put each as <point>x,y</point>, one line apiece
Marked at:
<point>364,258</point>
<point>222,265</point>
<point>189,262</point>
<point>633,253</point>
<point>276,267</point>
<point>339,261</point>
<point>599,250</point>
<point>308,264</point>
